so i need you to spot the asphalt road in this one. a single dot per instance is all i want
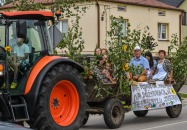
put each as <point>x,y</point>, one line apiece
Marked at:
<point>155,120</point>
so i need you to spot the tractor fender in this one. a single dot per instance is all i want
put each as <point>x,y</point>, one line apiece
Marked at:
<point>32,95</point>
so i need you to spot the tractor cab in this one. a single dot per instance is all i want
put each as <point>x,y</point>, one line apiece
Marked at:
<point>37,44</point>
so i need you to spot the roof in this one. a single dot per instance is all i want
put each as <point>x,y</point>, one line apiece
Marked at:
<point>175,3</point>
<point>148,3</point>
<point>25,14</point>
<point>45,2</point>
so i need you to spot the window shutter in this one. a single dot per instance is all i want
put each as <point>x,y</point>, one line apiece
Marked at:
<point>59,26</point>
<point>63,26</point>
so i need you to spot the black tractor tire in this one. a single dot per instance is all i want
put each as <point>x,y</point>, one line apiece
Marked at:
<point>86,117</point>
<point>45,117</point>
<point>142,113</point>
<point>174,111</point>
<point>113,113</point>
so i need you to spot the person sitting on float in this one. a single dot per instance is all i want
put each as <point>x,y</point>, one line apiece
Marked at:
<point>138,61</point>
<point>163,69</point>
<point>107,74</point>
<point>152,62</point>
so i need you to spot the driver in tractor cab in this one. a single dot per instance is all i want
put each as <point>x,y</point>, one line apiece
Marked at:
<point>21,52</point>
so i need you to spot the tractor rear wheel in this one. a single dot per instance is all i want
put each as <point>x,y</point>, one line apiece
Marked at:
<point>61,102</point>
<point>174,111</point>
<point>113,113</point>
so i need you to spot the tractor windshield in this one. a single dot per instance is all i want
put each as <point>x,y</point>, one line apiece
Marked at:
<point>37,37</point>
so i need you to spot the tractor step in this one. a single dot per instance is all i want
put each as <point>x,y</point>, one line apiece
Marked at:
<point>19,110</point>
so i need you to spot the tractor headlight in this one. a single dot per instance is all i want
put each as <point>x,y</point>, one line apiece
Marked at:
<point>1,70</point>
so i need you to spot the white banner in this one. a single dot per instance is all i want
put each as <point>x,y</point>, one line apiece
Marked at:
<point>147,96</point>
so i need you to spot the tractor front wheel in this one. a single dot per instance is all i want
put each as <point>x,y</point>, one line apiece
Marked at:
<point>62,101</point>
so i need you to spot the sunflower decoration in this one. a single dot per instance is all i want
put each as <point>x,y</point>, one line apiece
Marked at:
<point>172,91</point>
<point>8,49</point>
<point>126,66</point>
<point>125,48</point>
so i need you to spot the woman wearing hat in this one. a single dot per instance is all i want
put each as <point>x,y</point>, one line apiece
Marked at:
<point>163,69</point>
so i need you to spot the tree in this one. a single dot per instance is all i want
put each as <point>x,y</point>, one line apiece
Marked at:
<point>24,5</point>
<point>7,2</point>
<point>179,60</point>
<point>73,41</point>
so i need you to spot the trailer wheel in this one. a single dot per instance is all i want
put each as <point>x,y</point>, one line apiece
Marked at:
<point>113,113</point>
<point>174,111</point>
<point>61,101</point>
<point>86,117</point>
<point>140,113</point>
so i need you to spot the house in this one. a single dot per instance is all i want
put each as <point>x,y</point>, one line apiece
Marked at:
<point>180,4</point>
<point>162,19</point>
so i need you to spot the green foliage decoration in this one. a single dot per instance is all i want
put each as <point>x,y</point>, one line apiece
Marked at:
<point>179,61</point>
<point>70,8</point>
<point>121,50</point>
<point>73,42</point>
<point>173,44</point>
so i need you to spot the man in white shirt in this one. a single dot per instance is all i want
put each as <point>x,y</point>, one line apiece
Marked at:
<point>21,52</point>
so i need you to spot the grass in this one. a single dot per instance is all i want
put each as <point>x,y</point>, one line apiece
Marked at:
<point>183,96</point>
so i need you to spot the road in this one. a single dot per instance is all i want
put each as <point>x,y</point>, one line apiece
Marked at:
<point>184,89</point>
<point>155,120</point>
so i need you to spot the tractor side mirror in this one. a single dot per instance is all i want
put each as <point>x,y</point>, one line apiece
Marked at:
<point>56,35</point>
<point>21,28</point>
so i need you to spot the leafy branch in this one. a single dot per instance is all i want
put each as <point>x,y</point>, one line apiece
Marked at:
<point>24,5</point>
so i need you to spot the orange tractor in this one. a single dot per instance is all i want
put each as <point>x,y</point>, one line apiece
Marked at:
<point>49,93</point>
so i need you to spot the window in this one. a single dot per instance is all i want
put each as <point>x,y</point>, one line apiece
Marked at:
<point>184,19</point>
<point>2,36</point>
<point>63,26</point>
<point>121,8</point>
<point>162,31</point>
<point>161,13</point>
<point>124,27</point>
